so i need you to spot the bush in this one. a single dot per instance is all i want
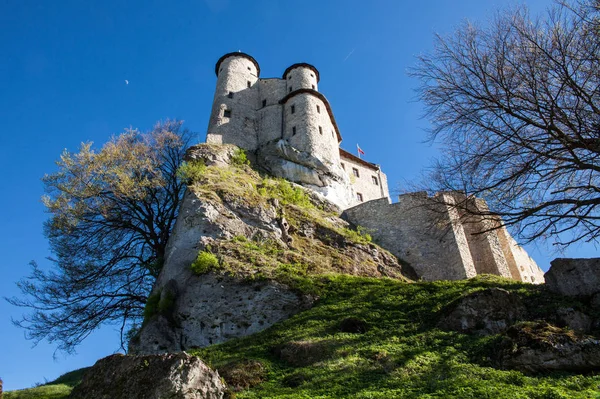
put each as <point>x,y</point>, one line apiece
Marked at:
<point>360,235</point>
<point>239,158</point>
<point>151,306</point>
<point>284,191</point>
<point>205,262</point>
<point>191,172</point>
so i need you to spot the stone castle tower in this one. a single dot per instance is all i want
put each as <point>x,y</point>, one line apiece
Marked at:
<point>289,125</point>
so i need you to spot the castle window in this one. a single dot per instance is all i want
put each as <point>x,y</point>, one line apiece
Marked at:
<point>375,181</point>
<point>227,113</point>
<point>290,89</point>
<point>250,69</point>
<point>332,135</point>
<point>355,172</point>
<point>264,103</point>
<point>320,130</point>
<point>318,108</point>
<point>312,76</point>
<point>249,83</point>
<point>289,77</point>
<point>230,95</point>
<point>359,197</point>
<point>343,166</point>
<point>293,109</point>
<point>313,87</point>
<point>294,131</point>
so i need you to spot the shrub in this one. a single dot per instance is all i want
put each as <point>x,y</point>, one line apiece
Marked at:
<point>360,235</point>
<point>239,158</point>
<point>191,172</point>
<point>205,262</point>
<point>151,306</point>
<point>284,191</point>
<point>243,374</point>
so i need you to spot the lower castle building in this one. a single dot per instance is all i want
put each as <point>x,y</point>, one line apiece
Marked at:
<point>289,128</point>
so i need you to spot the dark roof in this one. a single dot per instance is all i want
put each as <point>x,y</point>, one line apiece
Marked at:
<point>354,158</point>
<point>322,98</point>
<point>302,65</point>
<point>237,54</point>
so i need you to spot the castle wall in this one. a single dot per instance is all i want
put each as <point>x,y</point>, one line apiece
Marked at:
<point>371,182</point>
<point>235,94</point>
<point>426,238</point>
<point>270,120</point>
<point>441,241</point>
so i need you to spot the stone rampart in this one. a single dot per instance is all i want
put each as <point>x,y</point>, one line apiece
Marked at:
<point>442,241</point>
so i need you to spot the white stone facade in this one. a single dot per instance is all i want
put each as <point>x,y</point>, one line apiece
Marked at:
<point>290,128</point>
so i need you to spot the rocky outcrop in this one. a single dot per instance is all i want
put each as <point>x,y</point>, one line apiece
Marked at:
<point>281,159</point>
<point>574,277</point>
<point>486,312</point>
<point>265,238</point>
<point>537,347</point>
<point>175,376</point>
<point>214,308</point>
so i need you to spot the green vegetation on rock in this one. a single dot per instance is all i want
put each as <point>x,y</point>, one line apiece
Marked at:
<point>205,262</point>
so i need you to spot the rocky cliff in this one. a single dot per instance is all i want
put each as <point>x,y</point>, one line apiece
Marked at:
<point>244,254</point>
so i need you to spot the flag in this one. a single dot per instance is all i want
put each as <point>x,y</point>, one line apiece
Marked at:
<point>360,151</point>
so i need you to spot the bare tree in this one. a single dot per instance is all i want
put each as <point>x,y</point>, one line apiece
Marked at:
<point>111,213</point>
<point>516,108</point>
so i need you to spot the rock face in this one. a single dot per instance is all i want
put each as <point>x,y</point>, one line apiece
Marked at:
<point>264,236</point>
<point>174,376</point>
<point>574,277</point>
<point>491,311</point>
<point>535,347</point>
<point>211,309</point>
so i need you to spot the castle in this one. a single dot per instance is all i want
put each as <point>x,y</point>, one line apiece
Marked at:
<point>289,128</point>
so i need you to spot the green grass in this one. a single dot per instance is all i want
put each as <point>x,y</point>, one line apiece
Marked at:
<point>58,391</point>
<point>402,354</point>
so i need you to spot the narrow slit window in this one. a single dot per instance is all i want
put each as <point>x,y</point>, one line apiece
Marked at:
<point>343,166</point>
<point>230,95</point>
<point>293,109</point>
<point>264,103</point>
<point>355,172</point>
<point>250,69</point>
<point>313,87</point>
<point>359,197</point>
<point>332,134</point>
<point>320,130</point>
<point>375,180</point>
<point>227,113</point>
<point>294,131</point>
<point>249,84</point>
<point>290,89</point>
<point>318,109</point>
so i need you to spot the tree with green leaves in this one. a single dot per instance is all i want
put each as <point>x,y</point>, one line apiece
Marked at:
<point>111,214</point>
<point>515,106</point>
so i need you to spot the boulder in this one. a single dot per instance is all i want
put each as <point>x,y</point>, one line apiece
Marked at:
<point>537,347</point>
<point>574,277</point>
<point>173,376</point>
<point>574,319</point>
<point>486,312</point>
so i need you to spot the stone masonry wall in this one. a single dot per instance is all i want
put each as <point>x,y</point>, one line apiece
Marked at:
<point>441,241</point>
<point>427,239</point>
<point>364,183</point>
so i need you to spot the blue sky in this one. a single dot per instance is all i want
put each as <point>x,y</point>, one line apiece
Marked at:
<point>63,66</point>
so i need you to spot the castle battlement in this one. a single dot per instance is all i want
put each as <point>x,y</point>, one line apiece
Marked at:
<point>290,128</point>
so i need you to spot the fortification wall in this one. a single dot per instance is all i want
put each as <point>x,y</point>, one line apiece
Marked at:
<point>426,238</point>
<point>441,241</point>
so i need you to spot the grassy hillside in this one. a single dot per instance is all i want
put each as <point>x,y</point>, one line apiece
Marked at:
<point>397,353</point>
<point>401,355</point>
<point>57,389</point>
